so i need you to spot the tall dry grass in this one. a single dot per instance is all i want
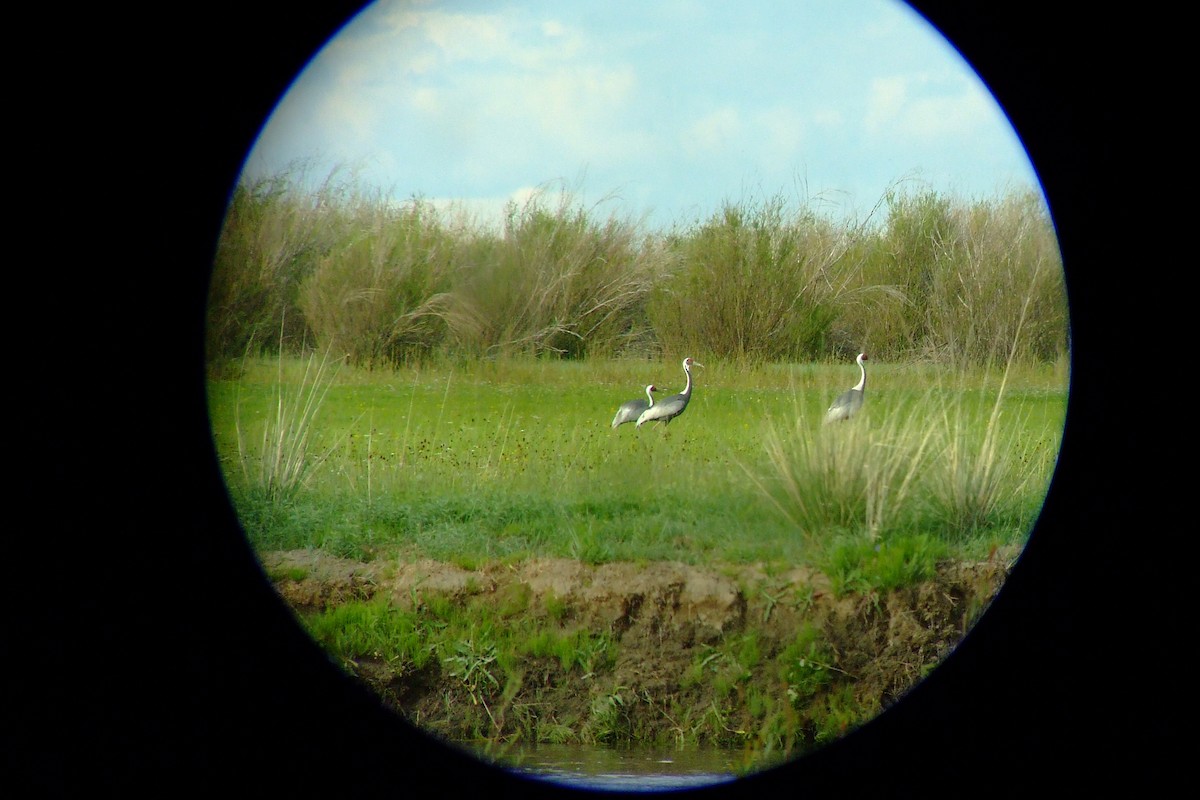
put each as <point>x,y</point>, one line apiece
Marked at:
<point>950,460</point>
<point>378,293</point>
<point>557,280</point>
<point>960,274</point>
<point>282,460</point>
<point>858,476</point>
<point>932,278</point>
<point>754,283</point>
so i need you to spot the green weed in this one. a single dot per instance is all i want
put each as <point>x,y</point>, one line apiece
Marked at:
<point>804,666</point>
<point>471,662</point>
<point>608,722</point>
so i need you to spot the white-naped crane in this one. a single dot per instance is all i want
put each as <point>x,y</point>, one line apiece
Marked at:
<point>666,410</point>
<point>850,401</point>
<point>630,410</point>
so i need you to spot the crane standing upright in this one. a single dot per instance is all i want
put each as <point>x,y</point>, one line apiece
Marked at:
<point>666,410</point>
<point>630,410</point>
<point>850,401</point>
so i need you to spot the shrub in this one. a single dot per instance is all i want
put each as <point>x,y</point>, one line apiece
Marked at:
<point>751,284</point>
<point>554,282</point>
<point>272,238</point>
<point>377,295</point>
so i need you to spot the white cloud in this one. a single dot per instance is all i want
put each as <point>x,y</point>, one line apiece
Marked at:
<point>782,135</point>
<point>828,117</point>
<point>885,101</point>
<point>927,107</point>
<point>949,115</point>
<point>712,133</point>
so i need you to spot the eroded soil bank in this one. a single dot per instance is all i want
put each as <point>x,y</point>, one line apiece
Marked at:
<point>701,654</point>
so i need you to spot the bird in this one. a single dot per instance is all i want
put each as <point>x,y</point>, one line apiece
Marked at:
<point>850,401</point>
<point>673,406</point>
<point>630,410</point>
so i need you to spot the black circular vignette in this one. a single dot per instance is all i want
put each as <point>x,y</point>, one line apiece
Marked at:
<point>239,696</point>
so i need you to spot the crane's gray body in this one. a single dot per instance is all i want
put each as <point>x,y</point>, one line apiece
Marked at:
<point>666,410</point>
<point>630,410</point>
<point>850,401</point>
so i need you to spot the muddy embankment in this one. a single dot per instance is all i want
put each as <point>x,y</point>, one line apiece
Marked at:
<point>680,633</point>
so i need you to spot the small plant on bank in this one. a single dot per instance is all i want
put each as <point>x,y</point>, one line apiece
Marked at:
<point>295,574</point>
<point>804,665</point>
<point>471,663</point>
<point>556,607</point>
<point>838,714</point>
<point>583,649</point>
<point>609,721</point>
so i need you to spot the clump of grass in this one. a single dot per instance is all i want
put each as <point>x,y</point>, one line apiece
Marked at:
<point>838,714</point>
<point>471,662</point>
<point>849,476</point>
<point>980,478</point>
<point>292,573</point>
<point>557,608</point>
<point>609,721</point>
<point>976,483</point>
<point>590,652</point>
<point>857,564</point>
<point>557,281</point>
<point>878,498</point>
<point>372,628</point>
<point>282,462</point>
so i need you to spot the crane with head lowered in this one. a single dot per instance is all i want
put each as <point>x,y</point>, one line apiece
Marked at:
<point>630,410</point>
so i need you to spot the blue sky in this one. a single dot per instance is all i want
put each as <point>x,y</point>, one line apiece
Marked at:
<point>661,111</point>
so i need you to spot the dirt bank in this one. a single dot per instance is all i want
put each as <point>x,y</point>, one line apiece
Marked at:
<point>681,632</point>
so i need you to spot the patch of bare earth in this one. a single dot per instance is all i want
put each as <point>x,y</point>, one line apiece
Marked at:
<point>664,617</point>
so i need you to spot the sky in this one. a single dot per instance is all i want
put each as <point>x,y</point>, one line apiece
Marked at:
<point>657,110</point>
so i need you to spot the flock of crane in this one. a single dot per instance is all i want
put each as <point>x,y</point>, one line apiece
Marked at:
<point>639,411</point>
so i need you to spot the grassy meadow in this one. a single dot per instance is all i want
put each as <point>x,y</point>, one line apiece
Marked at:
<point>508,459</point>
<point>392,381</point>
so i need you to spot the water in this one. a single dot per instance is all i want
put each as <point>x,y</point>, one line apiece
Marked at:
<point>626,770</point>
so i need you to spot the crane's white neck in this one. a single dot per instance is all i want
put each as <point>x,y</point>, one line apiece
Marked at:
<point>862,382</point>
<point>687,390</point>
<point>650,386</point>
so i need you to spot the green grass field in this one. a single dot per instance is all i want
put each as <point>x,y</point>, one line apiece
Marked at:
<point>484,460</point>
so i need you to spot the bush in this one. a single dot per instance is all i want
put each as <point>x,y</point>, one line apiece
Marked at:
<point>378,295</point>
<point>272,238</point>
<point>957,277</point>
<point>751,285</point>
<point>940,279</point>
<point>553,282</point>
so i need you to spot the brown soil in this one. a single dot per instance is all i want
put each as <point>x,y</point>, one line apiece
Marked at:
<point>665,617</point>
